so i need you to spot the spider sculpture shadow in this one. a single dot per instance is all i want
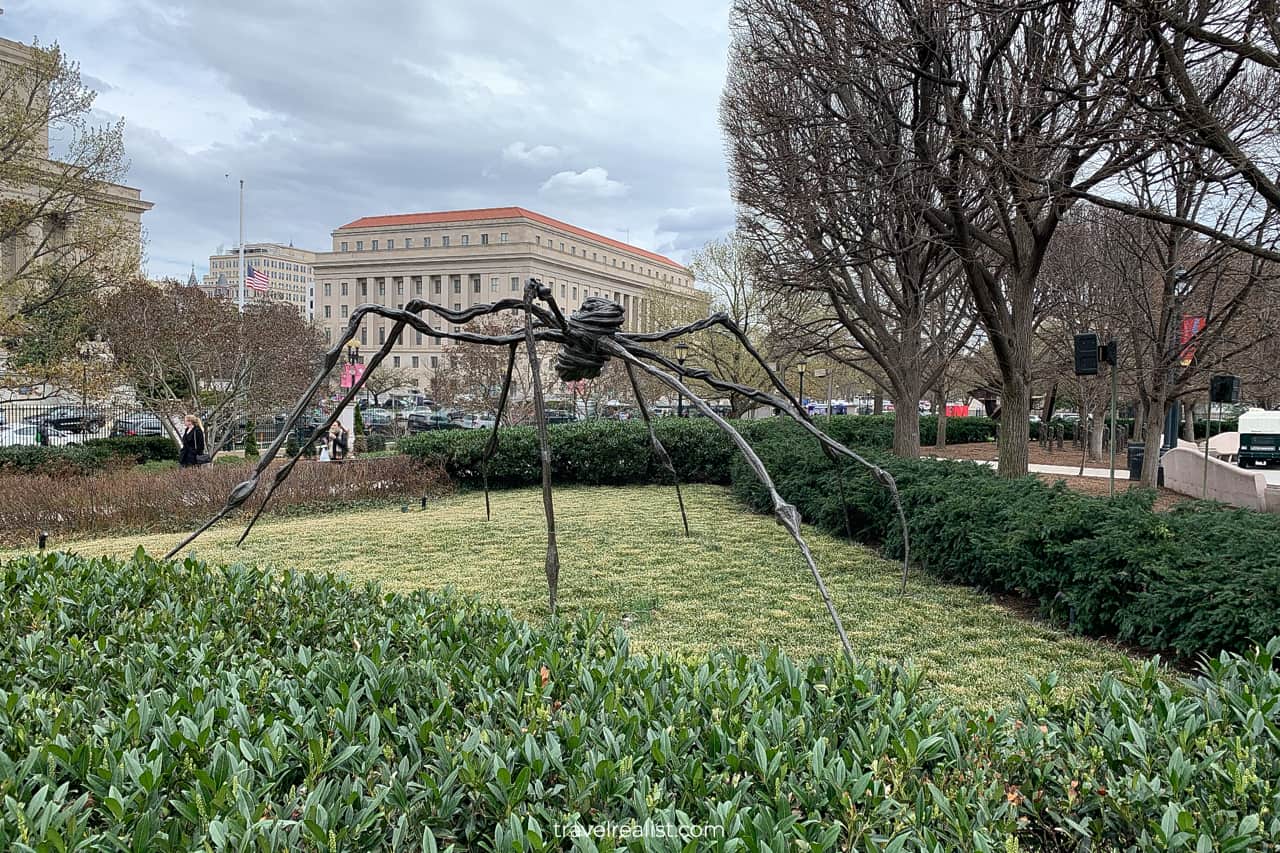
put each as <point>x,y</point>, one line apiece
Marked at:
<point>587,340</point>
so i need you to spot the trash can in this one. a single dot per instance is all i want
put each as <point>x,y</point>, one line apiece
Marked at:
<point>1137,453</point>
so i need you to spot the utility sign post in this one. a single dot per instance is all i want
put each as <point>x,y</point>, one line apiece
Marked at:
<point>1088,355</point>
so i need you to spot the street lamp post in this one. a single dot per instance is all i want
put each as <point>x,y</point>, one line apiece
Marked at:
<point>1172,420</point>
<point>800,367</point>
<point>682,351</point>
<point>828,374</point>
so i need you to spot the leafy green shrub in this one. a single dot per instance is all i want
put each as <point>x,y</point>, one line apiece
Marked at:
<point>178,706</point>
<point>251,441</point>
<point>30,459</point>
<point>139,448</point>
<point>618,452</point>
<point>1196,580</point>
<point>376,442</point>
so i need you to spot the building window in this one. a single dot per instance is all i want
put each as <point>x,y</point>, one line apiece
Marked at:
<point>562,291</point>
<point>435,284</point>
<point>364,286</point>
<point>537,239</point>
<point>444,241</point>
<point>344,246</point>
<point>382,287</point>
<point>344,288</point>
<point>466,239</point>
<point>417,285</point>
<point>342,312</point>
<point>391,244</point>
<point>328,289</point>
<point>475,284</point>
<point>493,284</point>
<point>435,362</point>
<point>426,243</point>
<point>359,245</point>
<point>484,239</point>
<point>375,245</point>
<point>413,362</point>
<point>457,283</point>
<point>399,287</point>
<point>515,284</point>
<point>395,361</point>
<point>457,306</point>
<point>327,313</point>
<point>417,340</point>
<point>435,339</point>
<point>562,245</point>
<point>502,237</point>
<point>408,242</point>
<point>575,293</point>
<point>364,335</point>
<point>382,334</point>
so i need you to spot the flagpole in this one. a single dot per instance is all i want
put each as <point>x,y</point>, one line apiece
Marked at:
<point>240,301</point>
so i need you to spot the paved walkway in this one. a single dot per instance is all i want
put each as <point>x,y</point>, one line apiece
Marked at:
<point>1070,470</point>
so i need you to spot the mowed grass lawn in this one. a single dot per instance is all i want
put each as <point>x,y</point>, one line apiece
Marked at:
<point>738,581</point>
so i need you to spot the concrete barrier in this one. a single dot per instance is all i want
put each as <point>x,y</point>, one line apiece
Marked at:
<point>1184,473</point>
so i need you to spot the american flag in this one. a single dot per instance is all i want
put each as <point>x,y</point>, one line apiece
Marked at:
<point>257,280</point>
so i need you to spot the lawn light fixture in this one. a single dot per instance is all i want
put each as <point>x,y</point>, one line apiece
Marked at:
<point>587,339</point>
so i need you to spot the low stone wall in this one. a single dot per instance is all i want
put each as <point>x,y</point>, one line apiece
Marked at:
<point>1184,473</point>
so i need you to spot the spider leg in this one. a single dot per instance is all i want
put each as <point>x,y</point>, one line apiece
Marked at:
<point>830,446</point>
<point>786,514</point>
<point>287,468</point>
<point>492,447</point>
<point>532,290</point>
<point>658,450</point>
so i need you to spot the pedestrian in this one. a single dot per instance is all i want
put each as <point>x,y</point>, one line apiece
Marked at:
<point>338,438</point>
<point>193,448</point>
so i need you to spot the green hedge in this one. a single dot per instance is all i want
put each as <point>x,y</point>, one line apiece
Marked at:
<point>618,452</point>
<point>177,706</point>
<point>139,448</point>
<point>1198,579</point>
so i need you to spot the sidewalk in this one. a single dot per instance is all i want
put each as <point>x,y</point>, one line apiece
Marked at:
<point>1066,470</point>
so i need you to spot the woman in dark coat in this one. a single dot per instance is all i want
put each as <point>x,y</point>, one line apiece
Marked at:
<point>192,443</point>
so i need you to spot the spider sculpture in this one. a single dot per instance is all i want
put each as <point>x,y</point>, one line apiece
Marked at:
<point>587,339</point>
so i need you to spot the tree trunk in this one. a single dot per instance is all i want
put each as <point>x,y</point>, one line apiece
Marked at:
<point>1099,432</point>
<point>877,407</point>
<point>1015,427</point>
<point>1154,438</point>
<point>1189,420</point>
<point>906,428</point>
<point>940,409</point>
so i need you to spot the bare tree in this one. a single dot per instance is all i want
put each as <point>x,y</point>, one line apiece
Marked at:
<point>384,380</point>
<point>187,353</point>
<point>724,268</point>
<point>64,231</point>
<point>996,111</point>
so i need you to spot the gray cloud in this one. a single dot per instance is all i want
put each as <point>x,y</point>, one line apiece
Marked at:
<point>330,112</point>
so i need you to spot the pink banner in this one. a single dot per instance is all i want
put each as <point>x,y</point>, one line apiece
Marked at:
<point>351,374</point>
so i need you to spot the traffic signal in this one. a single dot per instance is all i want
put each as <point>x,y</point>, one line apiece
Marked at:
<point>1224,388</point>
<point>1110,353</point>
<point>1086,351</point>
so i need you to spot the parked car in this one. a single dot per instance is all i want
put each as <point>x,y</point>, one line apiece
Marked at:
<point>429,421</point>
<point>560,416</point>
<point>143,423</point>
<point>70,419</point>
<point>29,435</point>
<point>377,420</point>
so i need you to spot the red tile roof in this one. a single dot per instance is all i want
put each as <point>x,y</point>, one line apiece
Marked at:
<point>501,213</point>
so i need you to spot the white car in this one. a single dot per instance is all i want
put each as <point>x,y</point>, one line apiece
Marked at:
<point>26,434</point>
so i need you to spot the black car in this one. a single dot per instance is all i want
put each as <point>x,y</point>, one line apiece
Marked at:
<point>142,423</point>
<point>420,422</point>
<point>70,419</point>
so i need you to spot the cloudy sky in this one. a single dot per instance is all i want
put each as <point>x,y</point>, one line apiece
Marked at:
<point>600,113</point>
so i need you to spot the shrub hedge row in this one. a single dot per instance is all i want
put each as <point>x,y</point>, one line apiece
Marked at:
<point>618,453</point>
<point>153,706</point>
<point>1199,579</point>
<point>94,455</point>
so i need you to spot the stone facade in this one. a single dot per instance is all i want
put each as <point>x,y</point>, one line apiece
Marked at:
<point>464,257</point>
<point>289,269</point>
